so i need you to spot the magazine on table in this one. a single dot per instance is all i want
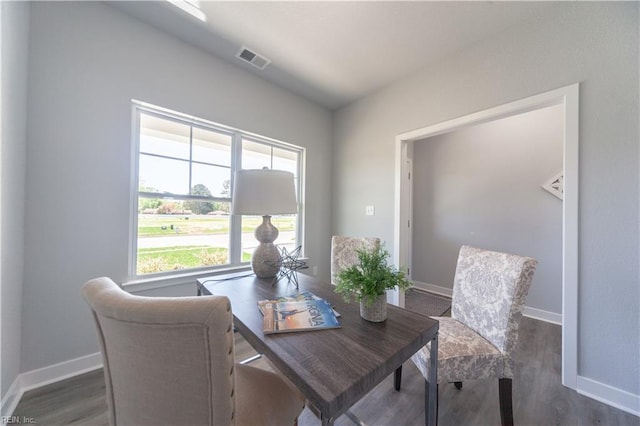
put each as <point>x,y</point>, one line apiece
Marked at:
<point>305,295</point>
<point>298,315</point>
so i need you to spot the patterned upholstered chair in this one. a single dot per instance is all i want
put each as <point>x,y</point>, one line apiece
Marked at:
<point>343,252</point>
<point>170,361</point>
<point>479,340</point>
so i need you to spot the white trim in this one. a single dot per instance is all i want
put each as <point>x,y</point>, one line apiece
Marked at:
<point>11,399</point>
<point>403,214</point>
<point>528,311</point>
<point>570,235</point>
<point>398,212</point>
<point>541,315</point>
<point>56,372</point>
<point>46,375</point>
<point>623,400</point>
<point>8,396</point>
<point>569,97</point>
<point>135,286</point>
<point>432,288</point>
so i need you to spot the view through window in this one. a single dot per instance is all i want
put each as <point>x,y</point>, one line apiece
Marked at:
<point>185,171</point>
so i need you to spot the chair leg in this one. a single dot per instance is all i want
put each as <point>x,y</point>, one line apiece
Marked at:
<point>506,406</point>
<point>251,359</point>
<point>458,385</point>
<point>397,378</point>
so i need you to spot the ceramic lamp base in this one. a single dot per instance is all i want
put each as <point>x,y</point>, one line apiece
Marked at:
<point>266,258</point>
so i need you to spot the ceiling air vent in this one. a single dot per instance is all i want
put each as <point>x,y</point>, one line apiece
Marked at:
<point>253,58</point>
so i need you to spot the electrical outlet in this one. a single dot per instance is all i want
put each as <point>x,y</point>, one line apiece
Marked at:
<point>370,210</point>
<point>314,271</point>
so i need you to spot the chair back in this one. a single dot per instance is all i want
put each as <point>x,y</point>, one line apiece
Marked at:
<point>344,252</point>
<point>167,360</point>
<point>489,292</point>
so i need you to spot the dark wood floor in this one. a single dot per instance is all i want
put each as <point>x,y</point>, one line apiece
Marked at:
<point>538,396</point>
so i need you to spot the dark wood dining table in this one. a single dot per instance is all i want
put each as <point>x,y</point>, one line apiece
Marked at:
<point>332,368</point>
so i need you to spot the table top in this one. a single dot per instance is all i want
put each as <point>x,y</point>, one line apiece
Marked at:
<point>333,368</point>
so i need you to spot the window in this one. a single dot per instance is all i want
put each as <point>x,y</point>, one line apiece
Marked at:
<point>183,183</point>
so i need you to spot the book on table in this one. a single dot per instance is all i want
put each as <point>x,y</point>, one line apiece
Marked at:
<point>298,315</point>
<point>304,295</point>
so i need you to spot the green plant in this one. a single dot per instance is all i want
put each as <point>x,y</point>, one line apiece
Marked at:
<point>370,277</point>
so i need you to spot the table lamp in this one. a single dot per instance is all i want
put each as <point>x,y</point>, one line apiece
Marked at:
<point>264,192</point>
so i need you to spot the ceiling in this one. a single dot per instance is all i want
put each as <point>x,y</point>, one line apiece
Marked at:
<point>334,52</point>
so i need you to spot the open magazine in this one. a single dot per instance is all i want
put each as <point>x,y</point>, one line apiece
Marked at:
<point>298,315</point>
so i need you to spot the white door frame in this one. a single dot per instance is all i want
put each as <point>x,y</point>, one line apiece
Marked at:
<point>568,97</point>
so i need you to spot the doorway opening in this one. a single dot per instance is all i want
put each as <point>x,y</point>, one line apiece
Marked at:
<point>568,98</point>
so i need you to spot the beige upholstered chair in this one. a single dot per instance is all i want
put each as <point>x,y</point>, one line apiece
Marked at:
<point>170,361</point>
<point>479,340</point>
<point>343,252</point>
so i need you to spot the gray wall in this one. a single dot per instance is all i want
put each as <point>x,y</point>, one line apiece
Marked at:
<point>87,61</point>
<point>481,185</point>
<point>15,41</point>
<point>592,43</point>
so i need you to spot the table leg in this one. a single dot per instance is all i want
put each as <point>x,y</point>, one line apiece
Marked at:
<point>326,421</point>
<point>431,388</point>
<point>397,378</point>
<point>354,418</point>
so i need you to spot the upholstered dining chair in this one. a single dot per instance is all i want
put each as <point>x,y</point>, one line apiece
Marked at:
<point>344,252</point>
<point>479,340</point>
<point>170,361</point>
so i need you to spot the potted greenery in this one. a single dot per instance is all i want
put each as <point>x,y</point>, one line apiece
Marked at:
<point>367,282</point>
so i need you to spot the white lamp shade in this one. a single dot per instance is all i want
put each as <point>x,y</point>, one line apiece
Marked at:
<point>264,192</point>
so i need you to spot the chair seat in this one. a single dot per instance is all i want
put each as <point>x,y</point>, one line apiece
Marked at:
<point>263,398</point>
<point>463,354</point>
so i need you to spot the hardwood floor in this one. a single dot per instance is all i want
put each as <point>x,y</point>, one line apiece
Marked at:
<point>538,396</point>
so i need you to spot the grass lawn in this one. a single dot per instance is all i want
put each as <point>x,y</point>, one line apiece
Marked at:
<point>185,256</point>
<point>151,225</point>
<point>163,259</point>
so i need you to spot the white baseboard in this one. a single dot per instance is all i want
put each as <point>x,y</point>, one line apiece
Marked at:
<point>442,291</point>
<point>63,370</point>
<point>46,375</point>
<point>541,315</point>
<point>623,400</point>
<point>11,399</point>
<point>534,313</point>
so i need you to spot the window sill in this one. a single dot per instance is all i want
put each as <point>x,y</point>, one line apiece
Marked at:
<point>142,284</point>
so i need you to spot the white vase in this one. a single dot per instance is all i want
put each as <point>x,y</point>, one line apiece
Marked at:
<point>376,311</point>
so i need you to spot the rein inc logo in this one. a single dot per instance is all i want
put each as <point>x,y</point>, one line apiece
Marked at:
<point>18,420</point>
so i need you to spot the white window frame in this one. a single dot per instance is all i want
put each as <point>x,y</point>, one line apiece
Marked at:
<point>173,277</point>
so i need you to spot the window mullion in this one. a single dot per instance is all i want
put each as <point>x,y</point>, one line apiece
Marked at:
<point>133,222</point>
<point>235,237</point>
<point>190,159</point>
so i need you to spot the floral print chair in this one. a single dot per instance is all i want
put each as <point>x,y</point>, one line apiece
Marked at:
<point>479,340</point>
<point>344,254</point>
